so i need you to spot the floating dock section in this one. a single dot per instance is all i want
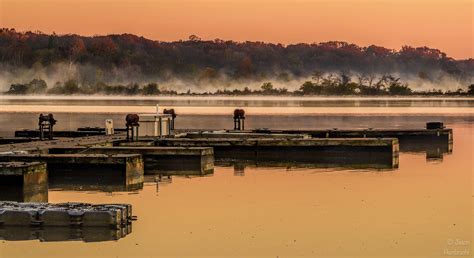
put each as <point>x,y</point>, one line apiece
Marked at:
<point>23,181</point>
<point>158,160</point>
<point>65,215</point>
<point>57,134</point>
<point>434,142</point>
<point>326,151</point>
<point>411,134</point>
<point>130,166</point>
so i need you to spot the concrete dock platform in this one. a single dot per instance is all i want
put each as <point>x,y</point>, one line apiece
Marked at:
<point>24,181</point>
<point>434,142</point>
<point>326,151</point>
<point>57,134</point>
<point>158,160</point>
<point>403,135</point>
<point>130,166</point>
<point>243,135</point>
<point>43,146</point>
<point>8,140</point>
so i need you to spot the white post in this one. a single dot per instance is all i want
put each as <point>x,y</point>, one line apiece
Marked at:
<point>109,127</point>
<point>161,127</point>
<point>157,119</point>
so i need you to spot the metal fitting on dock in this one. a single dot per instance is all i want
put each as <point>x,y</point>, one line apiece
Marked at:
<point>132,124</point>
<point>45,124</point>
<point>434,125</point>
<point>239,119</point>
<point>173,116</point>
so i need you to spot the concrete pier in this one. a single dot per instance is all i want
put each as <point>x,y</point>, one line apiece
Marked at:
<point>57,134</point>
<point>326,151</point>
<point>24,181</point>
<point>130,166</point>
<point>4,140</point>
<point>403,135</point>
<point>434,142</point>
<point>158,160</point>
<point>43,146</point>
<point>243,135</point>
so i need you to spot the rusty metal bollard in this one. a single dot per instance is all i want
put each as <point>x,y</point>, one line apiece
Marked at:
<point>132,124</point>
<point>239,119</point>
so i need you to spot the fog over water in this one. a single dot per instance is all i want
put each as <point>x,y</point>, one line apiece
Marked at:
<point>88,74</point>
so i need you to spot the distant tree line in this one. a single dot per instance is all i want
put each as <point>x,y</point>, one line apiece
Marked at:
<point>198,59</point>
<point>332,84</point>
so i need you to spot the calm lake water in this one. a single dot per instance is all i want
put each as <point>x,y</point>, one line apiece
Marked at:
<point>423,209</point>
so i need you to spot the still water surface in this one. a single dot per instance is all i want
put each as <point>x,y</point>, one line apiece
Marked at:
<point>244,210</point>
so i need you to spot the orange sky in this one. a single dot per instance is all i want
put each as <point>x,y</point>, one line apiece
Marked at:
<point>443,24</point>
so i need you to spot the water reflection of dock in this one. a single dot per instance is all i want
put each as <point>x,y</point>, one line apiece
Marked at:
<point>434,149</point>
<point>53,234</point>
<point>241,165</point>
<point>101,180</point>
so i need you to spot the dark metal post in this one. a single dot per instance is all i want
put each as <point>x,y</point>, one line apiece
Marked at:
<point>46,122</point>
<point>132,126</point>
<point>239,117</point>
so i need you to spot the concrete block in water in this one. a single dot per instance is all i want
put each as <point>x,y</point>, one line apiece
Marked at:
<point>24,181</point>
<point>158,160</point>
<point>333,151</point>
<point>131,165</point>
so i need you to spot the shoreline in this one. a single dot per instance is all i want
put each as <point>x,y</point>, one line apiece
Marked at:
<point>230,97</point>
<point>258,111</point>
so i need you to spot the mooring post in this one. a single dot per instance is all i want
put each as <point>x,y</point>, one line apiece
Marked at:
<point>239,117</point>
<point>132,126</point>
<point>46,122</point>
<point>434,125</point>
<point>109,127</point>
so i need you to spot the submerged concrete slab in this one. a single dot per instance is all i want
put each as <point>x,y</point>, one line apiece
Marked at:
<point>158,160</point>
